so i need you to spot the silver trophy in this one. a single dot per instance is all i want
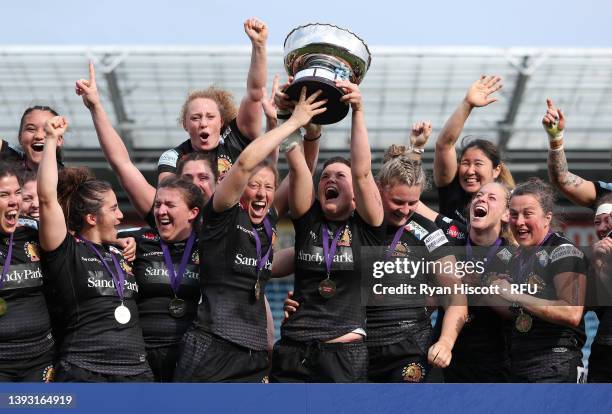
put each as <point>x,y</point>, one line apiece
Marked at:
<point>317,55</point>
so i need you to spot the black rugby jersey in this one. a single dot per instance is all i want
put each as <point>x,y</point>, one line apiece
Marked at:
<point>93,339</point>
<point>25,328</point>
<point>159,328</point>
<point>228,259</point>
<point>231,144</point>
<point>318,318</point>
<point>456,231</point>
<point>421,242</point>
<point>453,201</point>
<point>557,255</point>
<point>484,335</point>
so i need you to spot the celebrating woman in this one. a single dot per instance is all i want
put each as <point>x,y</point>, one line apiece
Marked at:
<point>103,340</point>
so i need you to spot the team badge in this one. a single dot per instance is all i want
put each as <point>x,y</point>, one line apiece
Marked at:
<point>125,266</point>
<point>32,251</point>
<point>413,372</point>
<point>48,374</point>
<point>223,166</point>
<point>195,257</point>
<point>346,239</point>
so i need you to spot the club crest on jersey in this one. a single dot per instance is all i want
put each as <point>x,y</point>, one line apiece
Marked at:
<point>195,257</point>
<point>401,250</point>
<point>413,372</point>
<point>417,230</point>
<point>223,165</point>
<point>346,239</point>
<point>504,255</point>
<point>32,250</point>
<point>125,266</point>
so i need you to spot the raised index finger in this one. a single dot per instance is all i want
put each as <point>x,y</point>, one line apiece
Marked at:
<point>92,72</point>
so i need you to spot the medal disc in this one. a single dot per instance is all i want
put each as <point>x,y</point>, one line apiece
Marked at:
<point>327,288</point>
<point>257,290</point>
<point>523,323</point>
<point>3,306</point>
<point>177,308</point>
<point>122,314</point>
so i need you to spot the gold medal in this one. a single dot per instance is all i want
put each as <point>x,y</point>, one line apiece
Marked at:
<point>3,306</point>
<point>523,322</point>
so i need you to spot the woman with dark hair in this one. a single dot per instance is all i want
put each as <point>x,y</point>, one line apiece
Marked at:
<point>167,259</point>
<point>27,350</point>
<point>213,122</point>
<point>31,138</point>
<point>479,161</point>
<point>78,218</point>
<point>548,332</point>
<point>229,341</point>
<point>323,340</point>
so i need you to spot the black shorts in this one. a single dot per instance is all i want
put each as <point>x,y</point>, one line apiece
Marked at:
<point>553,365</point>
<point>208,358</point>
<point>67,372</point>
<point>404,361</point>
<point>477,372</point>
<point>319,362</point>
<point>38,369</point>
<point>163,362</point>
<point>600,363</point>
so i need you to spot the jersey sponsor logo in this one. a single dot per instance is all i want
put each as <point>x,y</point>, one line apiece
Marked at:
<point>150,236</point>
<point>565,250</point>
<point>417,230</point>
<point>504,255</point>
<point>455,233</point>
<point>169,158</point>
<point>21,276</point>
<point>316,256</point>
<point>158,273</point>
<point>447,219</point>
<point>100,281</point>
<point>542,257</point>
<point>27,222</point>
<point>435,240</point>
<point>32,250</point>
<point>243,260</point>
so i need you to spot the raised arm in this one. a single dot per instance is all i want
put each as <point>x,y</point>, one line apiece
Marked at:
<point>445,156</point>
<point>367,196</point>
<point>249,114</point>
<point>52,228</point>
<point>230,189</point>
<point>577,190</point>
<point>140,192</point>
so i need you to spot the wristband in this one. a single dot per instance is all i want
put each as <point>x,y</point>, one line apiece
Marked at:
<point>418,150</point>
<point>556,144</point>
<point>311,139</point>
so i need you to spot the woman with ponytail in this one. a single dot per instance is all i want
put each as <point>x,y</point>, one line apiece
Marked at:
<point>78,218</point>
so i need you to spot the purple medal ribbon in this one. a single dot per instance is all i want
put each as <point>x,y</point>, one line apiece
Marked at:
<point>328,251</point>
<point>177,277</point>
<point>261,261</point>
<point>7,261</point>
<point>526,264</point>
<point>396,239</point>
<point>118,278</point>
<point>492,250</point>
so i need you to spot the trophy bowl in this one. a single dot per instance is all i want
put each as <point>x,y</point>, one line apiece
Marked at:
<point>317,55</point>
